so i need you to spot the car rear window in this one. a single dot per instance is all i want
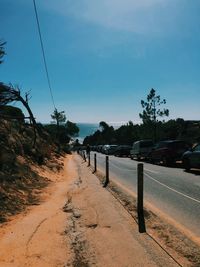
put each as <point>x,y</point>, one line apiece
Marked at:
<point>197,148</point>
<point>146,144</point>
<point>161,144</point>
<point>177,145</point>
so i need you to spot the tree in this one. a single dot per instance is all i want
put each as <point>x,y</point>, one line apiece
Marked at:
<point>151,110</point>
<point>71,128</point>
<point>61,138</point>
<point>107,133</point>
<point>58,117</point>
<point>8,112</point>
<point>2,51</point>
<point>9,94</point>
<point>126,134</point>
<point>61,135</point>
<point>62,132</point>
<point>104,126</point>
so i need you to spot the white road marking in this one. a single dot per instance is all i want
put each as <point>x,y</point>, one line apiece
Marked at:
<point>121,167</point>
<point>124,168</point>
<point>151,171</point>
<point>184,195</point>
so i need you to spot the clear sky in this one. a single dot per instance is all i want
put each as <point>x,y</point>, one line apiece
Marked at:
<point>104,56</point>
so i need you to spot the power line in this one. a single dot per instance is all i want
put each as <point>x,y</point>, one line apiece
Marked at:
<point>43,54</point>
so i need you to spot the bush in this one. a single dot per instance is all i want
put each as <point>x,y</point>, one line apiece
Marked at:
<point>12,112</point>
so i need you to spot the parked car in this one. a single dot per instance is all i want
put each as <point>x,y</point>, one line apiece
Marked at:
<point>99,148</point>
<point>104,149</point>
<point>123,150</point>
<point>168,152</point>
<point>191,158</point>
<point>141,149</point>
<point>93,148</point>
<point>109,149</point>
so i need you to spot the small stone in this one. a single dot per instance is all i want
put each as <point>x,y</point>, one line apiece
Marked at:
<point>77,214</point>
<point>68,208</point>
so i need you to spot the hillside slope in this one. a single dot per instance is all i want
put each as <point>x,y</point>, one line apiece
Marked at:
<point>19,183</point>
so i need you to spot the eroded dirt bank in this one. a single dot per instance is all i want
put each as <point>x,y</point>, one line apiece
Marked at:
<point>36,238</point>
<point>78,223</point>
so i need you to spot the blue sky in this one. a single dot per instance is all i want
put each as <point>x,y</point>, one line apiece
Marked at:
<point>104,56</point>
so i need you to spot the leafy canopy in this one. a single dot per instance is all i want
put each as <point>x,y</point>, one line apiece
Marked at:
<point>72,128</point>
<point>58,117</point>
<point>151,108</point>
<point>2,51</point>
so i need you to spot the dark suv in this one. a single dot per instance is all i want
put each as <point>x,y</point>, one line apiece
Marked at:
<point>123,150</point>
<point>168,152</point>
<point>191,158</point>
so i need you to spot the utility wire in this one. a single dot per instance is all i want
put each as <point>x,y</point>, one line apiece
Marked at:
<point>43,53</point>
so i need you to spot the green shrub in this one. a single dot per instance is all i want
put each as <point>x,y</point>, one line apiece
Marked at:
<point>12,112</point>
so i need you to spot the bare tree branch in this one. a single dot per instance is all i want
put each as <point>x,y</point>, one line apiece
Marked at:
<point>9,94</point>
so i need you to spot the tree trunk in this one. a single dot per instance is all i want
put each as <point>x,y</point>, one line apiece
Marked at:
<point>32,119</point>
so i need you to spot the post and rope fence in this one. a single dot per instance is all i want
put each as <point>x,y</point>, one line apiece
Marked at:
<point>140,197</point>
<point>107,172</point>
<point>88,156</point>
<point>95,163</point>
<point>82,153</point>
<point>84,157</point>
<point>140,187</point>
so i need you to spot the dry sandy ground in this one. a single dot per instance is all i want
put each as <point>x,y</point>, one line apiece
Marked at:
<point>36,238</point>
<point>78,223</point>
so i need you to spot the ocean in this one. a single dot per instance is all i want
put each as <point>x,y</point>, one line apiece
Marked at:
<point>89,128</point>
<point>86,129</point>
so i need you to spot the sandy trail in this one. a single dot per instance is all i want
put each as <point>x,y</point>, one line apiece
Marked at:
<point>36,238</point>
<point>102,232</point>
<point>79,224</point>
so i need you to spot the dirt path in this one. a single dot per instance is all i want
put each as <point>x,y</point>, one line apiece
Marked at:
<point>36,237</point>
<point>102,232</point>
<point>91,230</point>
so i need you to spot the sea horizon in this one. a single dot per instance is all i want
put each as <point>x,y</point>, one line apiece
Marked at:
<point>89,128</point>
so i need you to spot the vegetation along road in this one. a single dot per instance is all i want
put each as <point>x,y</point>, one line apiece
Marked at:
<point>172,191</point>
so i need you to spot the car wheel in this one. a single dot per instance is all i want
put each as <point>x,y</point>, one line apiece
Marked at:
<point>166,161</point>
<point>186,164</point>
<point>150,158</point>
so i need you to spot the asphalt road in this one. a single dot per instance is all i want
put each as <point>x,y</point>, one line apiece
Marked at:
<point>171,190</point>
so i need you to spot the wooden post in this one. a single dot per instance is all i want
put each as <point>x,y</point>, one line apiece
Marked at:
<point>140,195</point>
<point>107,172</point>
<point>88,159</point>
<point>95,162</point>
<point>84,157</point>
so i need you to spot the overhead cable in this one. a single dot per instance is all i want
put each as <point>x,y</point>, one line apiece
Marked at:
<point>43,54</point>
